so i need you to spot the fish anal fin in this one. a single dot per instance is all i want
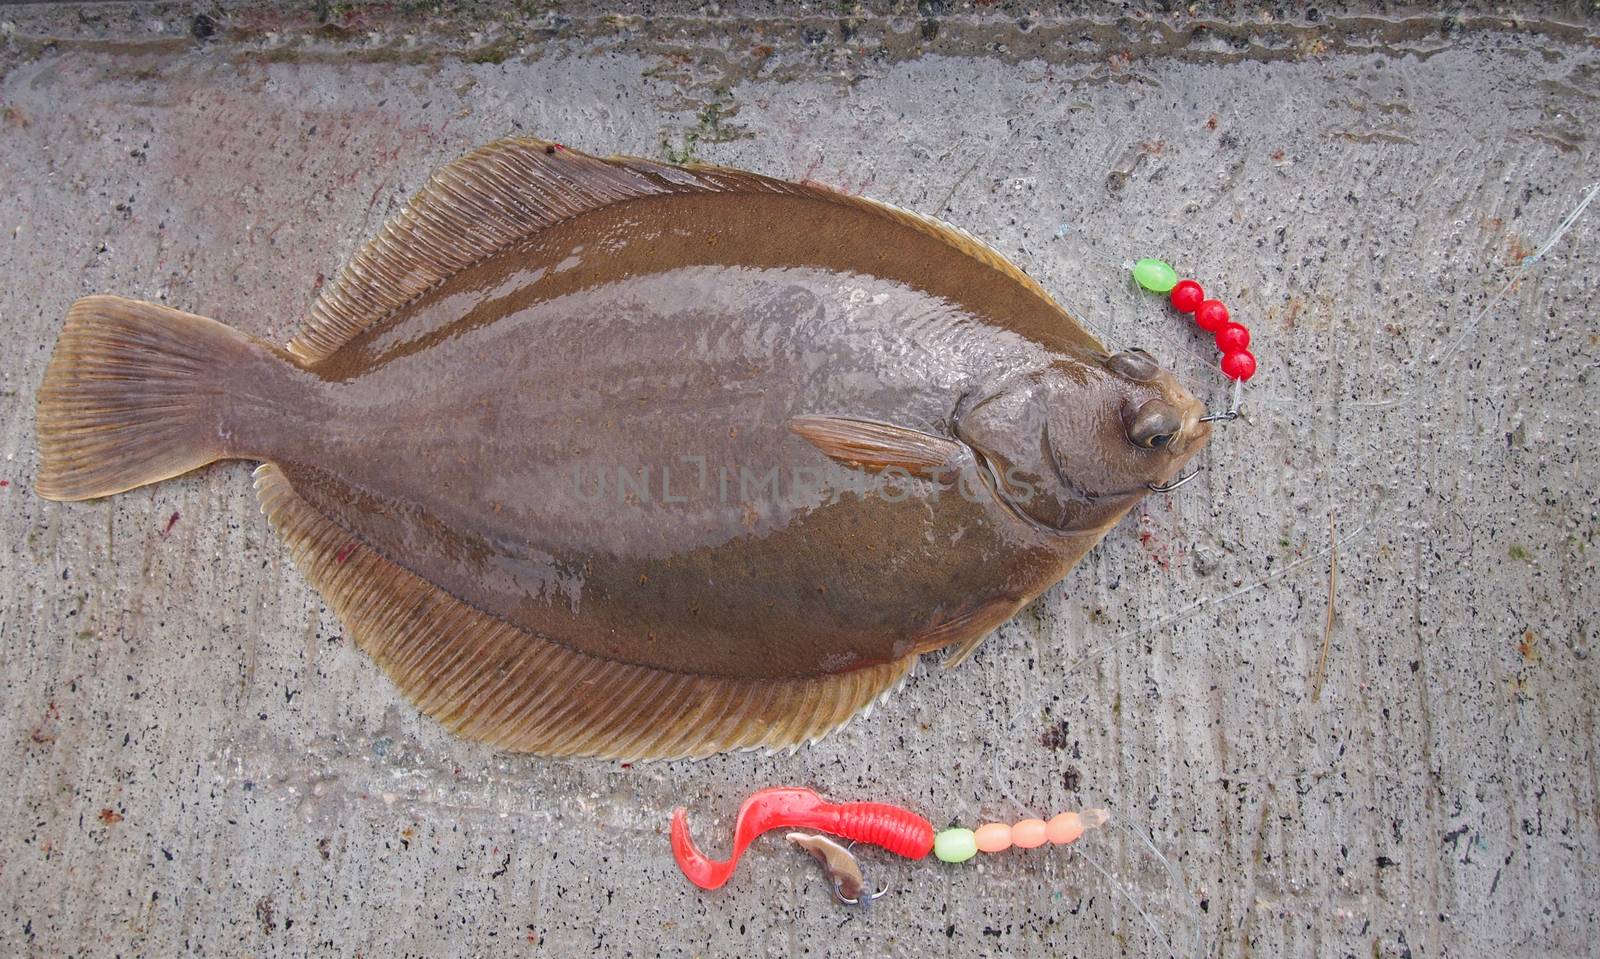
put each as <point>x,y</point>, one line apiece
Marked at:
<point>877,446</point>
<point>489,680</point>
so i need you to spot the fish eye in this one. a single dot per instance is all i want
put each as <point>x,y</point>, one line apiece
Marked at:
<point>1154,425</point>
<point>1134,364</point>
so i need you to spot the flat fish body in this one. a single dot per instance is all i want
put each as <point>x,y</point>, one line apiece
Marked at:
<point>584,434</point>
<point>538,447</point>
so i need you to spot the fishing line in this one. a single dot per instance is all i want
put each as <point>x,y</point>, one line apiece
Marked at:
<point>1125,823</point>
<point>908,834</point>
<point>1172,873</point>
<point>1184,346</point>
<point>1150,923</point>
<point>1522,271</point>
<point>1205,601</point>
<point>1188,915</point>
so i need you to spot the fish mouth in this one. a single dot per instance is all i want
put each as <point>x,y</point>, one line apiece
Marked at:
<point>1195,431</point>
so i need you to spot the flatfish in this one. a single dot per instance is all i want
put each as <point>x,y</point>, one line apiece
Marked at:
<point>609,457</point>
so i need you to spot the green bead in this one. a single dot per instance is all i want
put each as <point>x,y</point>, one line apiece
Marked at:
<point>1155,275</point>
<point>955,845</point>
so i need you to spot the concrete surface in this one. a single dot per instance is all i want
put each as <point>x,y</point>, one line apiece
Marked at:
<point>196,761</point>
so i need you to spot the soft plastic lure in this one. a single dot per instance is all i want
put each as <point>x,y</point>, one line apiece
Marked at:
<point>898,830</point>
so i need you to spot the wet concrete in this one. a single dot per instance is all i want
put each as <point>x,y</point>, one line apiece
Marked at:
<point>1345,681</point>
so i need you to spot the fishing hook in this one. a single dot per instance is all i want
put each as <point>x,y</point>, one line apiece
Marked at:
<point>882,891</point>
<point>839,865</point>
<point>1232,412</point>
<point>1226,416</point>
<point>864,900</point>
<point>1169,487</point>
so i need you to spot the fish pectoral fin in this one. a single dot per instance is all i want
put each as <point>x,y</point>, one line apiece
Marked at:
<point>879,446</point>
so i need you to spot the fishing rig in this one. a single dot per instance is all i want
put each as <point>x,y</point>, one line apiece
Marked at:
<point>894,828</point>
<point>1211,315</point>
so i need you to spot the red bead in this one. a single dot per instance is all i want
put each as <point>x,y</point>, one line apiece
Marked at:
<point>1239,366</point>
<point>1232,338</point>
<point>1186,295</point>
<point>1211,316</point>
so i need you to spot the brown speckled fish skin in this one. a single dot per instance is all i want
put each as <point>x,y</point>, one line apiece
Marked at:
<point>463,436</point>
<point>651,332</point>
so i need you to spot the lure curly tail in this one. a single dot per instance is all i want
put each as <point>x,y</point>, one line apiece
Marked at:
<point>900,831</point>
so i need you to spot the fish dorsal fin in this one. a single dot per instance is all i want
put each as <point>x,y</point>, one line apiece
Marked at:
<point>468,210</point>
<point>510,189</point>
<point>961,240</point>
<point>923,223</point>
<point>486,679</point>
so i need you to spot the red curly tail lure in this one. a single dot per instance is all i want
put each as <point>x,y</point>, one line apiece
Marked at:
<point>898,830</point>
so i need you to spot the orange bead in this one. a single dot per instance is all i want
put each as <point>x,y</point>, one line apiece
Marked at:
<point>1028,833</point>
<point>994,837</point>
<point>1065,828</point>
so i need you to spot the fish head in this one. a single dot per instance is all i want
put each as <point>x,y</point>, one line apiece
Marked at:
<point>1073,445</point>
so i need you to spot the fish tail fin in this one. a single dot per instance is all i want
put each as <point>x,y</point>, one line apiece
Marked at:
<point>134,394</point>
